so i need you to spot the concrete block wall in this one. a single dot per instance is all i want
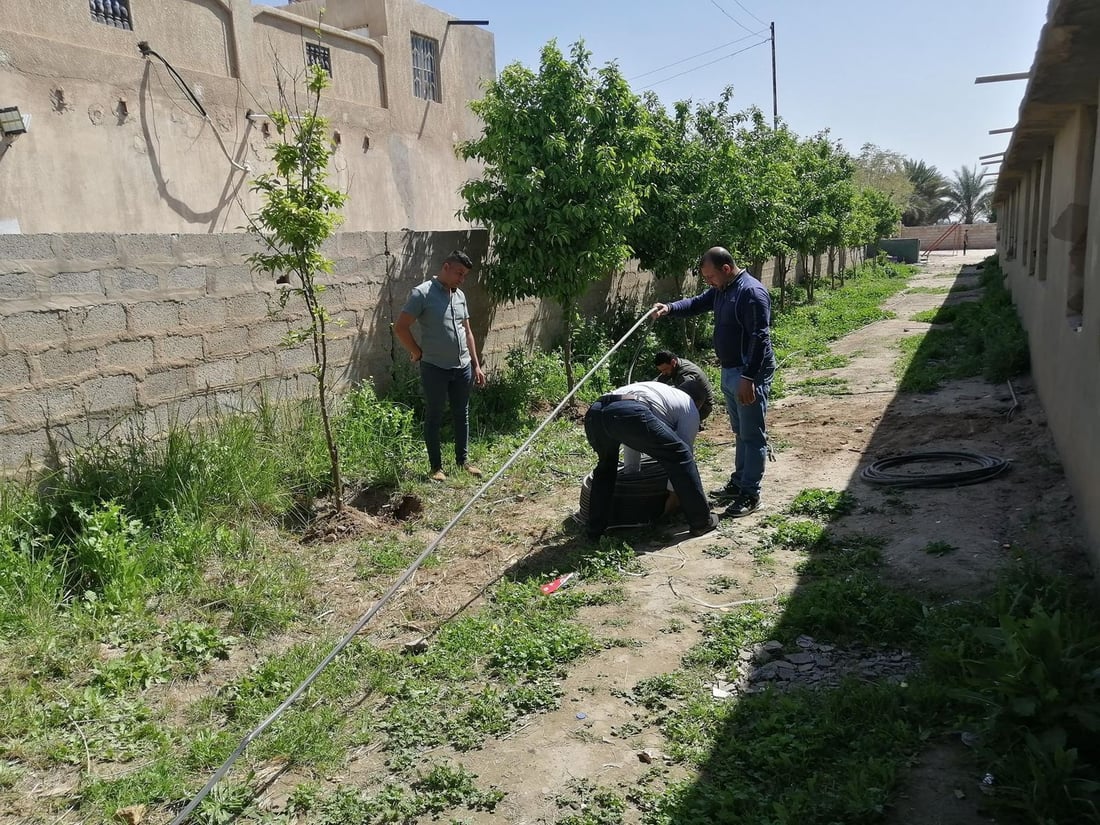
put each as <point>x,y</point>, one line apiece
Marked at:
<point>98,328</point>
<point>981,235</point>
<point>101,329</point>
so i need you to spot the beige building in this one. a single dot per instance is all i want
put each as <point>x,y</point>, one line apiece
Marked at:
<point>1048,203</point>
<point>113,144</point>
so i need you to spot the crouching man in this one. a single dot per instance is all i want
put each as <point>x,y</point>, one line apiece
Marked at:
<point>659,421</point>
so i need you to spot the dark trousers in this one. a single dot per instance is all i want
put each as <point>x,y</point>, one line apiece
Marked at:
<point>440,386</point>
<point>608,425</point>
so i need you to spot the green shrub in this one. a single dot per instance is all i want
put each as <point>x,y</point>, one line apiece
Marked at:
<point>108,554</point>
<point>1036,685</point>
<point>378,438</point>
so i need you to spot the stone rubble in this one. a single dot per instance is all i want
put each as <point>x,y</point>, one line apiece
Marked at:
<point>812,665</point>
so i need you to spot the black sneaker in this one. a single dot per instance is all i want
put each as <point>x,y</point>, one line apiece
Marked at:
<point>728,493</point>
<point>712,524</point>
<point>742,506</point>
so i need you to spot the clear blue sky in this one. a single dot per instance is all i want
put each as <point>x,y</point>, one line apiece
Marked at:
<point>897,73</point>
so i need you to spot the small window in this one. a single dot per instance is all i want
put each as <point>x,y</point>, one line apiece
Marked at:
<point>112,13</point>
<point>425,67</point>
<point>319,56</point>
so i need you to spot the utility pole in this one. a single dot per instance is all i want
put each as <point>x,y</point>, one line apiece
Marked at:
<point>775,89</point>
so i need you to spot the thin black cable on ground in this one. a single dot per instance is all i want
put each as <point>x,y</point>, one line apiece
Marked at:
<point>984,468</point>
<point>394,588</point>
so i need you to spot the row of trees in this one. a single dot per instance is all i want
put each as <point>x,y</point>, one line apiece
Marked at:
<point>581,173</point>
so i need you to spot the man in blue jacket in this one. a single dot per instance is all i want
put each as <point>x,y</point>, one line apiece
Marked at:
<point>742,342</point>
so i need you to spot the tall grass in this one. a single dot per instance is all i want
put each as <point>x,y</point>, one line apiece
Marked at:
<point>122,515</point>
<point>982,337</point>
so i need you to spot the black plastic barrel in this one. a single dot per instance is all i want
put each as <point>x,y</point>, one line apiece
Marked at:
<point>639,498</point>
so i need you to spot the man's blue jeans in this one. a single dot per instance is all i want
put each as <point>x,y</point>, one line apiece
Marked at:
<point>440,386</point>
<point>747,423</point>
<point>608,425</point>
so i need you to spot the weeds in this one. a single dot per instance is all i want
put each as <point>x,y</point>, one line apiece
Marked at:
<point>945,314</point>
<point>823,504</point>
<point>804,333</point>
<point>939,548</point>
<point>822,385</point>
<point>984,338</point>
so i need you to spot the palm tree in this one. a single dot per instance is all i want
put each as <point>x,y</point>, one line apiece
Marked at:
<point>928,202</point>
<point>969,194</point>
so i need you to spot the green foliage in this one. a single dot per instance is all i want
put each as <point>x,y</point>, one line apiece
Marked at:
<point>225,804</point>
<point>985,338</point>
<point>300,211</point>
<point>564,152</point>
<point>822,203</point>
<point>227,466</point>
<point>946,314</point>
<point>527,384</point>
<point>444,787</point>
<point>883,172</point>
<point>928,203</point>
<point>939,548</point>
<point>754,186</point>
<point>855,607</point>
<point>805,332</point>
<point>824,504</point>
<point>874,215</point>
<point>969,194</point>
<point>822,385</point>
<point>378,439</point>
<point>1027,668</point>
<point>796,534</point>
<point>807,756</point>
<point>668,233</point>
<point>197,644</point>
<point>105,555</point>
<point>590,805</point>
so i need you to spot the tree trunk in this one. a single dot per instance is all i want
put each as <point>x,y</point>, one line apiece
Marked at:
<point>320,357</point>
<point>832,267</point>
<point>814,275</point>
<point>803,267</point>
<point>758,268</point>
<point>567,316</point>
<point>781,277</point>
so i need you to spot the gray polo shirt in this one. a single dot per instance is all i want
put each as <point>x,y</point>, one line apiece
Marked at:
<point>442,316</point>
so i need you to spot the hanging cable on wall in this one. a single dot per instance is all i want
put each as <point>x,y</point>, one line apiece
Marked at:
<point>148,52</point>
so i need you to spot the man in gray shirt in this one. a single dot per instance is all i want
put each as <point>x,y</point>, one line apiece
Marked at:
<point>447,356</point>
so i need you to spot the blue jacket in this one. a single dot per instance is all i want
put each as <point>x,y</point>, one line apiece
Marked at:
<point>742,324</point>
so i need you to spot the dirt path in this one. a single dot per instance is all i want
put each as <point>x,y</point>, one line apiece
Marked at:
<point>829,438</point>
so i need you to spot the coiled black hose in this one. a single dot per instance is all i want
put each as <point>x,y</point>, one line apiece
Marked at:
<point>985,468</point>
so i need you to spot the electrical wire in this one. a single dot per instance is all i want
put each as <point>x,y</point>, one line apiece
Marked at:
<point>147,52</point>
<point>749,13</point>
<point>695,56</point>
<point>985,468</point>
<point>394,588</point>
<point>704,66</point>
<point>730,16</point>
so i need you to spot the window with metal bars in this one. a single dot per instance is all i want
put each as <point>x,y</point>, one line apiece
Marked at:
<point>425,54</point>
<point>319,56</point>
<point>112,13</point>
